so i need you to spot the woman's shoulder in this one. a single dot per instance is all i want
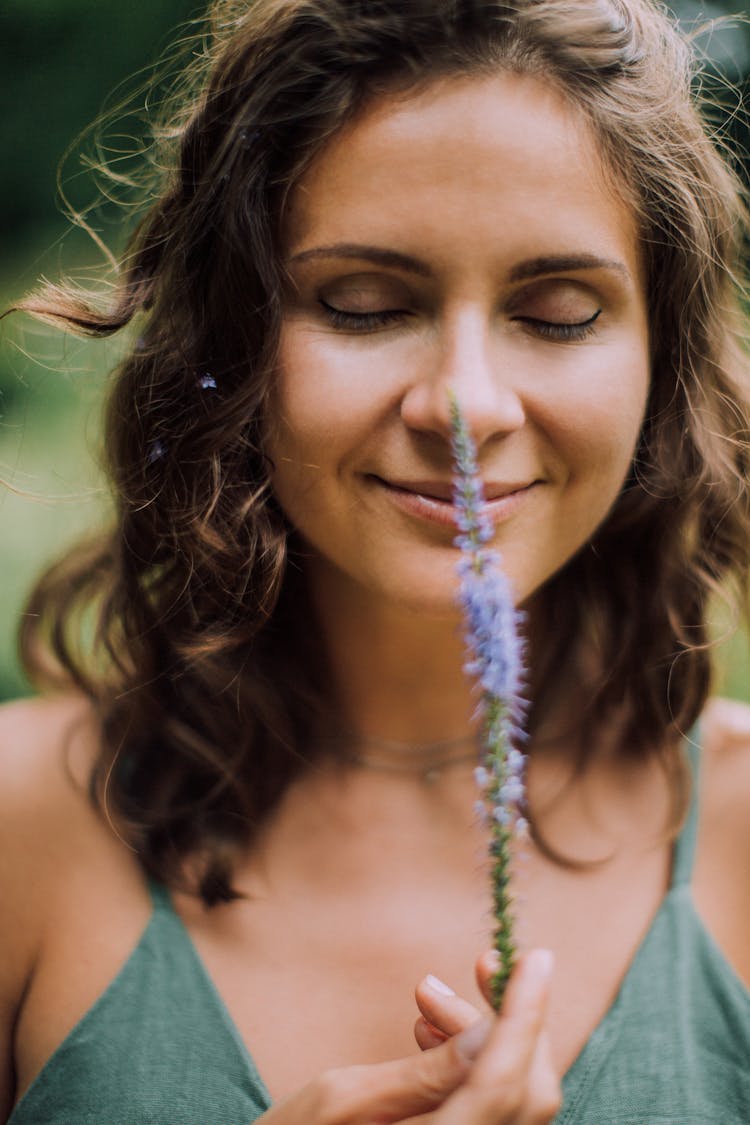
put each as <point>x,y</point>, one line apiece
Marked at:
<point>725,777</point>
<point>727,721</point>
<point>725,737</point>
<point>721,885</point>
<point>47,747</point>
<point>725,782</point>
<point>38,821</point>
<point>52,836</point>
<point>65,875</point>
<point>38,720</point>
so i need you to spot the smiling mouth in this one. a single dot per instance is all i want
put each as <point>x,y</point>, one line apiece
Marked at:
<point>433,500</point>
<point>442,492</point>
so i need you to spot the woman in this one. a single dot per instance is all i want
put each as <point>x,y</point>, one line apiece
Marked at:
<point>369,205</point>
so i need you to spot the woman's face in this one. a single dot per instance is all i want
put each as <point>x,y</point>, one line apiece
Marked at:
<point>462,237</point>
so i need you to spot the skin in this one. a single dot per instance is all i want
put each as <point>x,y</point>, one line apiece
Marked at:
<point>382,874</point>
<point>486,182</point>
<point>552,399</point>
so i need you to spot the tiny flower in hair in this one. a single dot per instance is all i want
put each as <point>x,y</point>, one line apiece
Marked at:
<point>207,382</point>
<point>248,137</point>
<point>156,451</point>
<point>495,663</point>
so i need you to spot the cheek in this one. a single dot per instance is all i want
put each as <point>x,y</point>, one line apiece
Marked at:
<point>601,417</point>
<point>326,391</point>
<point>321,413</point>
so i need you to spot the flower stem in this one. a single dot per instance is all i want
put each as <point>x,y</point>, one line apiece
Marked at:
<point>492,633</point>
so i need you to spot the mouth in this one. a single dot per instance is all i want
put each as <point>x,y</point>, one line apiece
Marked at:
<point>432,500</point>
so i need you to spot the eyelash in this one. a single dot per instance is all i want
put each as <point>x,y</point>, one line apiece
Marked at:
<point>563,332</point>
<point>371,322</point>
<point>361,322</point>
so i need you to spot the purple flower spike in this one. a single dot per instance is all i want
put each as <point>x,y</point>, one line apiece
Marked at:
<point>495,663</point>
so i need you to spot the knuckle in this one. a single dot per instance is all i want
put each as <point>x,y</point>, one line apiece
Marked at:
<point>335,1093</point>
<point>488,1100</point>
<point>509,1102</point>
<point>436,1073</point>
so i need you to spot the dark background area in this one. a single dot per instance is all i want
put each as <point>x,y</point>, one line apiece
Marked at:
<point>62,63</point>
<point>61,60</point>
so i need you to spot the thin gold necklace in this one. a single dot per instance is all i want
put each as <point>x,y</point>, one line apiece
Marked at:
<point>424,760</point>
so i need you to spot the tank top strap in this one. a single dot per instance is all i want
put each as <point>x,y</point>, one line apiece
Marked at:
<point>684,845</point>
<point>161,900</point>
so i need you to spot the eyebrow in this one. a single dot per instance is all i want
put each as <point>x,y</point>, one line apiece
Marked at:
<point>565,263</point>
<point>375,254</point>
<point>523,271</point>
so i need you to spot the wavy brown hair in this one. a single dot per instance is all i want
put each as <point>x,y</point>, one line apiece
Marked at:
<point>205,667</point>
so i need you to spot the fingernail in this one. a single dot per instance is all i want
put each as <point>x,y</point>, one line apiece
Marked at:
<point>438,986</point>
<point>469,1043</point>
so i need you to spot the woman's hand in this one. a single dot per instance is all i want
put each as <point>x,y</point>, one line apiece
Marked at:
<point>494,1072</point>
<point>512,1081</point>
<point>443,1012</point>
<point>384,1093</point>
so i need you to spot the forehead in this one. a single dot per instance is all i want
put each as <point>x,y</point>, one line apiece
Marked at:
<point>502,160</point>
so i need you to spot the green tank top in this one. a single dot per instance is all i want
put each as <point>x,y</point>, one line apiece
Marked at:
<point>159,1047</point>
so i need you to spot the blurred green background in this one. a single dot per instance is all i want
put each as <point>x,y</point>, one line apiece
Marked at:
<point>61,61</point>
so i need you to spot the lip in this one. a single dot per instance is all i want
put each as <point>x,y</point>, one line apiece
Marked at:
<point>432,500</point>
<point>443,490</point>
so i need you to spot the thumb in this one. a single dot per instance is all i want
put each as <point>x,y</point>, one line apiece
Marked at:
<point>387,1092</point>
<point>420,1083</point>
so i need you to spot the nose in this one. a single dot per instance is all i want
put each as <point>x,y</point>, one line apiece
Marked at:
<point>466,360</point>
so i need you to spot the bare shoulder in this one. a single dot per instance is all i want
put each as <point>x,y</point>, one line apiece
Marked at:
<point>726,723</point>
<point>721,887</point>
<point>66,877</point>
<point>725,767</point>
<point>53,840</point>
<point>47,747</point>
<point>37,803</point>
<point>725,729</point>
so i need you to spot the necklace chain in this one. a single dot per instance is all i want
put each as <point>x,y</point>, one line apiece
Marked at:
<point>425,760</point>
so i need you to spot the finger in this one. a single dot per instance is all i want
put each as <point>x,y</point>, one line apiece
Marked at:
<point>387,1093</point>
<point>543,1079</point>
<point>416,1085</point>
<point>426,1035</point>
<point>441,1007</point>
<point>529,983</point>
<point>512,1080</point>
<point>486,967</point>
<point>512,1043</point>
<point>534,1101</point>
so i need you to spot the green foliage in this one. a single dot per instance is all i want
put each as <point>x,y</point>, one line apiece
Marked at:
<point>61,60</point>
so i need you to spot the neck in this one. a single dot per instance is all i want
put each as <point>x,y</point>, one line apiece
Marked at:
<point>397,674</point>
<point>425,761</point>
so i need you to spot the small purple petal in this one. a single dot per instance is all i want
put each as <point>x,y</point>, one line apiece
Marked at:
<point>482,777</point>
<point>512,791</point>
<point>516,760</point>
<point>157,450</point>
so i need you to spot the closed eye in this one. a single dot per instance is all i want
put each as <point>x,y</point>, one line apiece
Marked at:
<point>361,321</point>
<point>565,332</point>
